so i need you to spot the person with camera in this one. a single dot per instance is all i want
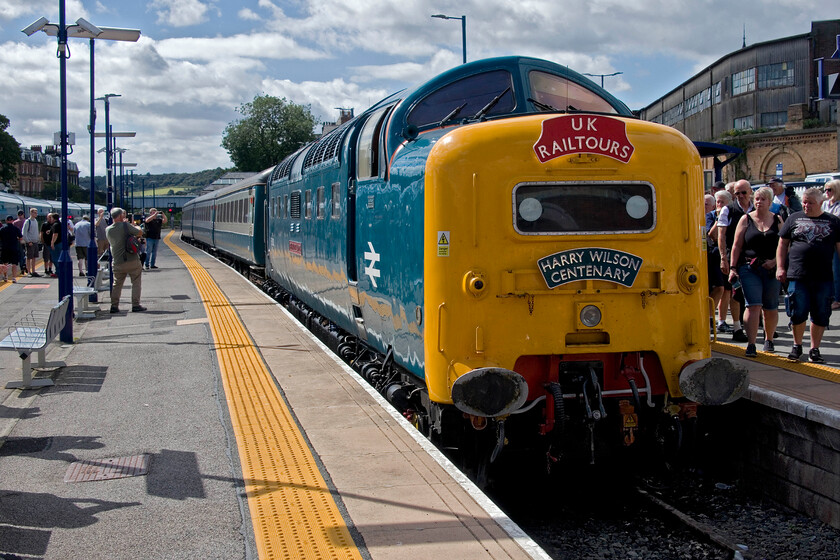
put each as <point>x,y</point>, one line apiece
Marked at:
<point>154,224</point>
<point>126,261</point>
<point>753,262</point>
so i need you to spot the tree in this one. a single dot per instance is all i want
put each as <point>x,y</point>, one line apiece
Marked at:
<point>270,130</point>
<point>9,152</point>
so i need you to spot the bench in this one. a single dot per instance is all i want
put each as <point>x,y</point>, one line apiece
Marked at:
<point>93,286</point>
<point>31,334</point>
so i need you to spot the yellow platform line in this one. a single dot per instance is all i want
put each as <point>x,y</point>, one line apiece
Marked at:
<point>806,368</point>
<point>292,508</point>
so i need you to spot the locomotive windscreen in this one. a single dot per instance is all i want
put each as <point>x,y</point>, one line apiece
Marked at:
<point>564,95</point>
<point>583,208</point>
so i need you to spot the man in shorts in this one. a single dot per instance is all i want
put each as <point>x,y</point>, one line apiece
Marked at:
<point>807,242</point>
<point>31,236</point>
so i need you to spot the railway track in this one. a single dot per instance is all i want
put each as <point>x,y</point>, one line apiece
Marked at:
<point>602,515</point>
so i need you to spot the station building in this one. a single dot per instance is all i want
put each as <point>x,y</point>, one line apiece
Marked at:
<point>38,166</point>
<point>768,100</point>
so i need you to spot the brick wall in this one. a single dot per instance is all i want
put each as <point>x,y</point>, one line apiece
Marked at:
<point>800,152</point>
<point>790,451</point>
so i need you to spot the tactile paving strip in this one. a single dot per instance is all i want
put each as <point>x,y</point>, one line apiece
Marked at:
<point>806,368</point>
<point>107,469</point>
<point>292,508</point>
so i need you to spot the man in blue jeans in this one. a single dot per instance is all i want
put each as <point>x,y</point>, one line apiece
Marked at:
<point>807,242</point>
<point>154,223</point>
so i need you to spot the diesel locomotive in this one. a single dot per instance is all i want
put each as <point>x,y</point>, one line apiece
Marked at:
<point>505,252</point>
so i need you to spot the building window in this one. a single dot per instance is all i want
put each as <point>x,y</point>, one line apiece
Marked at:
<point>745,123</point>
<point>673,115</point>
<point>775,75</point>
<point>773,120</point>
<point>716,93</point>
<point>742,82</point>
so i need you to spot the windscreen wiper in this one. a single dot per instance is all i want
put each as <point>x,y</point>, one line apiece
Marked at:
<point>541,105</point>
<point>452,114</point>
<point>490,105</point>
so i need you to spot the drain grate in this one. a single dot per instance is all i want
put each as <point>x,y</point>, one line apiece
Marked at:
<point>107,469</point>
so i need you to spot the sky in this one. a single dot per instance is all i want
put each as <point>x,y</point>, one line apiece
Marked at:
<point>198,61</point>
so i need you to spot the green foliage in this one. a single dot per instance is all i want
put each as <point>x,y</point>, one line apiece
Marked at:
<point>52,191</point>
<point>270,130</point>
<point>9,152</point>
<point>813,123</point>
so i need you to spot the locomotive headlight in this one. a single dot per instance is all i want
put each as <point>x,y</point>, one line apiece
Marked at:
<point>530,209</point>
<point>590,315</point>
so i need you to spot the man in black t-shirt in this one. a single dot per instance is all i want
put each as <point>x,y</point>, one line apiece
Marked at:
<point>154,223</point>
<point>807,243</point>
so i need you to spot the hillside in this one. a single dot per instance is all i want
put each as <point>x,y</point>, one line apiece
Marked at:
<point>179,183</point>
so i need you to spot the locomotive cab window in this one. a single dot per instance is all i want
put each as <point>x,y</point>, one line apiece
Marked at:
<point>465,98</point>
<point>584,208</point>
<point>564,95</point>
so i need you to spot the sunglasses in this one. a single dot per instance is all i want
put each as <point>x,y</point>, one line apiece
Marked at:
<point>741,193</point>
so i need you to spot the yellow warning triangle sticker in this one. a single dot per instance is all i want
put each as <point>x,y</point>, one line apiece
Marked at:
<point>442,240</point>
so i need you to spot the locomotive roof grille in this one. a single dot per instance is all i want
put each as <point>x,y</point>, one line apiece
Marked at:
<point>282,171</point>
<point>326,148</point>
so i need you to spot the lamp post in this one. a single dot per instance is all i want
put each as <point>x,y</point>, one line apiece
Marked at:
<point>109,176</point>
<point>463,30</point>
<point>602,76</point>
<point>121,151</point>
<point>85,30</point>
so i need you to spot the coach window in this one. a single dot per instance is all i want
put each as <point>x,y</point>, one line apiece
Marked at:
<point>465,98</point>
<point>564,95</point>
<point>335,200</point>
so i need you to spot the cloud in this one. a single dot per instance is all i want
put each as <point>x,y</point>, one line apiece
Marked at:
<point>254,45</point>
<point>247,14</point>
<point>182,82</point>
<point>180,13</point>
<point>12,9</point>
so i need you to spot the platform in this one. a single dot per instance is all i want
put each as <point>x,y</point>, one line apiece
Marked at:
<point>214,426</point>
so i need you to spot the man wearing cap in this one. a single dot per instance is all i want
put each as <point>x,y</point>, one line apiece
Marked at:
<point>82,241</point>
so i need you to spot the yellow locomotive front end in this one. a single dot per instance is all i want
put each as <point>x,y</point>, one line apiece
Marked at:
<point>565,261</point>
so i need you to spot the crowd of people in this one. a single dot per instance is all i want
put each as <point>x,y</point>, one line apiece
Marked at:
<point>22,241</point>
<point>768,244</point>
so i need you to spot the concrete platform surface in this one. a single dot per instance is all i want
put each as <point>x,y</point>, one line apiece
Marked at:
<point>148,385</point>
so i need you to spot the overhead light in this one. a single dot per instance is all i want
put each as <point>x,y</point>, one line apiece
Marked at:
<point>35,26</point>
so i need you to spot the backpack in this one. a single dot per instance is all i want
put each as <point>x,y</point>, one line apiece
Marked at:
<point>131,245</point>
